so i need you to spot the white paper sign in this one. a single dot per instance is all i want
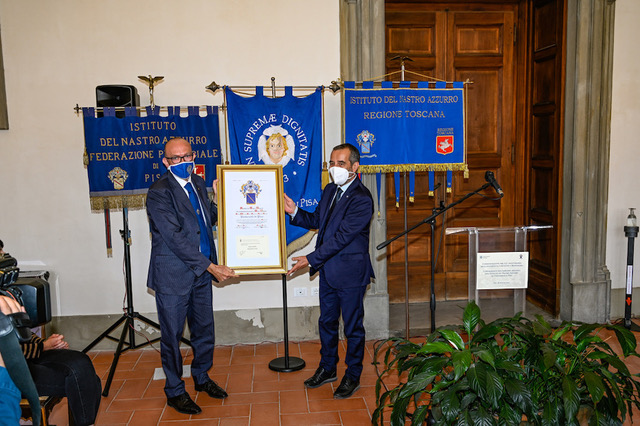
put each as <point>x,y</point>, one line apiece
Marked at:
<point>502,270</point>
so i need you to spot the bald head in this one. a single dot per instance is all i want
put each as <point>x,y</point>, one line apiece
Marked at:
<point>176,150</point>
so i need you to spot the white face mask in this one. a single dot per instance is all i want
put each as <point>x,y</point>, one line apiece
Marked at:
<point>339,175</point>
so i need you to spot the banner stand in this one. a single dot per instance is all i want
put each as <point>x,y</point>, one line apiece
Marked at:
<point>286,364</point>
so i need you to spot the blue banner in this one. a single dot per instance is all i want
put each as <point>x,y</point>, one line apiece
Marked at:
<point>286,131</point>
<point>124,155</point>
<point>406,129</point>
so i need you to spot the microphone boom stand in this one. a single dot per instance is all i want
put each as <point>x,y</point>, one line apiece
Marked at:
<point>431,220</point>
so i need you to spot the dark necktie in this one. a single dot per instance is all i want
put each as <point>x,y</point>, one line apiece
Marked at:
<point>335,200</point>
<point>205,247</point>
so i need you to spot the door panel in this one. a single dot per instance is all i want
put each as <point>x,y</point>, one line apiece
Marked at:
<point>545,149</point>
<point>453,42</point>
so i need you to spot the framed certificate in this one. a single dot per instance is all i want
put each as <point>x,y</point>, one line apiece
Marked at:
<point>251,224</point>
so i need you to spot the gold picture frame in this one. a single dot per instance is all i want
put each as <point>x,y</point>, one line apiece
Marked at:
<point>251,221</point>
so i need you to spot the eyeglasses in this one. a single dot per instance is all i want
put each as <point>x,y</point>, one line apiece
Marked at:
<point>177,159</point>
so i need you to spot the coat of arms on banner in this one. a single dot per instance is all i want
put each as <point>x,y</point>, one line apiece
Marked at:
<point>365,140</point>
<point>200,171</point>
<point>118,177</point>
<point>250,190</point>
<point>444,144</point>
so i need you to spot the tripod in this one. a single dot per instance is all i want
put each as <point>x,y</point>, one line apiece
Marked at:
<point>129,316</point>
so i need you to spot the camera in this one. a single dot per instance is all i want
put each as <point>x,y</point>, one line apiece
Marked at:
<point>31,292</point>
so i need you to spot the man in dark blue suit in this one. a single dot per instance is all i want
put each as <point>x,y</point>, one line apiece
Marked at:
<point>341,255</point>
<point>183,263</point>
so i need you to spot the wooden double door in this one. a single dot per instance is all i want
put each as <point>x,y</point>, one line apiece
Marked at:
<point>489,46</point>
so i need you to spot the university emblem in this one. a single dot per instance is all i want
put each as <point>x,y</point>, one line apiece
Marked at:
<point>250,190</point>
<point>276,146</point>
<point>444,144</point>
<point>365,140</point>
<point>118,177</point>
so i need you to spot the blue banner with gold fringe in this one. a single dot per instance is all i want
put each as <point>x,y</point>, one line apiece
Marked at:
<point>287,131</point>
<point>406,128</point>
<point>124,154</point>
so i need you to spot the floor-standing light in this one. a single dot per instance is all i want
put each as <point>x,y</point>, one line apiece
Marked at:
<point>631,232</point>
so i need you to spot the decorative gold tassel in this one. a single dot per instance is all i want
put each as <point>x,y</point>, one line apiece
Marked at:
<point>411,199</point>
<point>85,158</point>
<point>430,193</point>
<point>325,175</point>
<point>466,172</point>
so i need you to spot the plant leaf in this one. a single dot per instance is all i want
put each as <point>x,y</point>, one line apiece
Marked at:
<point>494,388</point>
<point>450,406</point>
<point>453,338</point>
<point>487,357</point>
<point>399,412</point>
<point>486,332</point>
<point>626,339</point>
<point>416,384</point>
<point>571,397</point>
<point>594,385</point>
<point>476,382</point>
<point>618,365</point>
<point>583,331</point>
<point>519,393</point>
<point>549,355</point>
<point>482,418</point>
<point>470,317</point>
<point>419,415</point>
<point>435,347</point>
<point>461,362</point>
<point>541,327</point>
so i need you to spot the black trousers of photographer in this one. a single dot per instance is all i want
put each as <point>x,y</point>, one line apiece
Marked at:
<point>69,373</point>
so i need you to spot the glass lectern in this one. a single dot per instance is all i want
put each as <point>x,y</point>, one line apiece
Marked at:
<point>494,240</point>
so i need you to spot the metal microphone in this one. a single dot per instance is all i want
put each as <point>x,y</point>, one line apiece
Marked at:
<point>489,177</point>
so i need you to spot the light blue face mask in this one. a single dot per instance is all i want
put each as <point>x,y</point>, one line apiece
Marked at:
<point>182,170</point>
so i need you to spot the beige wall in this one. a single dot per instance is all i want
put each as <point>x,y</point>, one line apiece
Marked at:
<point>624,176</point>
<point>57,52</point>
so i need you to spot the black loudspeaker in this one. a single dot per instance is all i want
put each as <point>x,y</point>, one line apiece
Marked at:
<point>116,95</point>
<point>36,297</point>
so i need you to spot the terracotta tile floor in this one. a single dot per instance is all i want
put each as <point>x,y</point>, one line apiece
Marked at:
<point>257,395</point>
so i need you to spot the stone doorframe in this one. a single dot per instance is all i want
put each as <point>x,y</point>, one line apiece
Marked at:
<point>585,284</point>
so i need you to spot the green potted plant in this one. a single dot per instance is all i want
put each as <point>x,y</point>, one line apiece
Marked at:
<point>507,372</point>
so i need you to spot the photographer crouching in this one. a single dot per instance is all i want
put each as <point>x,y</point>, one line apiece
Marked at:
<point>62,372</point>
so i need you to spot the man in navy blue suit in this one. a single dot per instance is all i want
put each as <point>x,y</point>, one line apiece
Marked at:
<point>183,263</point>
<point>341,255</point>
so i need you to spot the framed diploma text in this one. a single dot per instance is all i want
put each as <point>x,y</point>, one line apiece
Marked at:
<point>251,224</point>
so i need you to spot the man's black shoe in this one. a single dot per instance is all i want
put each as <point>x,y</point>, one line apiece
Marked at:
<point>212,389</point>
<point>321,377</point>
<point>183,404</point>
<point>347,387</point>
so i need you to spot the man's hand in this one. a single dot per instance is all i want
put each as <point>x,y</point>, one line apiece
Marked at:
<point>215,188</point>
<point>55,341</point>
<point>289,205</point>
<point>221,272</point>
<point>10,306</point>
<point>301,263</point>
